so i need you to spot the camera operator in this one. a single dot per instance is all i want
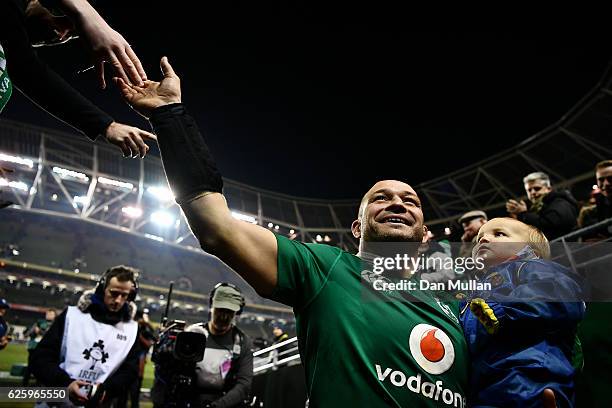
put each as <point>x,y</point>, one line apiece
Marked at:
<point>222,379</point>
<point>89,348</point>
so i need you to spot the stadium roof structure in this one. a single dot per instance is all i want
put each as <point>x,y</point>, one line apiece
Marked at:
<point>63,174</point>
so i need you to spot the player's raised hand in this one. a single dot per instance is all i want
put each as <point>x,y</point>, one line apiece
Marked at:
<point>144,99</point>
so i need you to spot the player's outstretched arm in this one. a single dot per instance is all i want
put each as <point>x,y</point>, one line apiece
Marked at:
<point>195,181</point>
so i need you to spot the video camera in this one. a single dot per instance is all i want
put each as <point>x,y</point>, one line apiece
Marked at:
<point>175,355</point>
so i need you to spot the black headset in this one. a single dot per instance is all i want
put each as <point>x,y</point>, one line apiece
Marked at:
<point>106,277</point>
<point>231,285</point>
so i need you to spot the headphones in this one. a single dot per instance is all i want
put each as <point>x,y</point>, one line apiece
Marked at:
<point>107,276</point>
<point>231,285</point>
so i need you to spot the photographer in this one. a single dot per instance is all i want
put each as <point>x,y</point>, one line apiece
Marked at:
<point>90,347</point>
<point>222,379</point>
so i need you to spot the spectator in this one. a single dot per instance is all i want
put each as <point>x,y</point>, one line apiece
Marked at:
<point>471,222</point>
<point>552,212</point>
<point>602,208</point>
<point>36,333</point>
<point>278,330</point>
<point>439,266</point>
<point>47,89</point>
<point>4,327</point>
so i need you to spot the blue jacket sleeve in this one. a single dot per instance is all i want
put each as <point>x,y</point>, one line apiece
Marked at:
<point>546,297</point>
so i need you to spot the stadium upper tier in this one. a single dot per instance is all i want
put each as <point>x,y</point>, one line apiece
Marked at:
<point>65,174</point>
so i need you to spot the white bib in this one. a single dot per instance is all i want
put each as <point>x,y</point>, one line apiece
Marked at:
<point>92,351</point>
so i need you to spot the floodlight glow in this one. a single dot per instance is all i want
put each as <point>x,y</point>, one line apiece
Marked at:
<point>447,231</point>
<point>162,218</point>
<point>276,227</point>
<point>54,197</point>
<point>326,238</point>
<point>65,173</point>
<point>132,212</point>
<point>292,231</point>
<point>244,217</point>
<point>270,225</point>
<point>154,237</point>
<point>319,238</point>
<point>18,185</point>
<point>116,183</point>
<point>161,193</point>
<point>17,160</point>
<point>595,186</point>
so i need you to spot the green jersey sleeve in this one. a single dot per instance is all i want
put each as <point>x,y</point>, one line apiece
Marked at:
<point>303,270</point>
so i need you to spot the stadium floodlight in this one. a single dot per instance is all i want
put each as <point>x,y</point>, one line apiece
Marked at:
<point>319,238</point>
<point>270,225</point>
<point>154,237</point>
<point>244,217</point>
<point>54,197</point>
<point>17,185</point>
<point>70,174</point>
<point>447,231</point>
<point>132,212</point>
<point>83,200</point>
<point>327,238</point>
<point>115,183</point>
<point>17,160</point>
<point>291,231</point>
<point>276,227</point>
<point>163,218</point>
<point>163,194</point>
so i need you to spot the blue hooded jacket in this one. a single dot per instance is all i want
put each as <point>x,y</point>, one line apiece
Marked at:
<point>538,307</point>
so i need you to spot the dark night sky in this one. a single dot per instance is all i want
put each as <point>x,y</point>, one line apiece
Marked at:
<point>325,110</point>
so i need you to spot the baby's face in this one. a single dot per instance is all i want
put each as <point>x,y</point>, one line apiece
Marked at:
<point>500,239</point>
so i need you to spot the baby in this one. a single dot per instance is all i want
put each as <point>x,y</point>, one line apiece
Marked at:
<point>522,332</point>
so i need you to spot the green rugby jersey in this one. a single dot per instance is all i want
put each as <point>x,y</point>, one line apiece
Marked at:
<point>363,348</point>
<point>6,87</point>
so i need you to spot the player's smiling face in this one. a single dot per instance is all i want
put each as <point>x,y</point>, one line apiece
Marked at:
<point>390,211</point>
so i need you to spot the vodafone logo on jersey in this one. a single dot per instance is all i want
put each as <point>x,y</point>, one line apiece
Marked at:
<point>431,348</point>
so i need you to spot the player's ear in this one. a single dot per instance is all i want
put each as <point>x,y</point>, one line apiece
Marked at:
<point>425,234</point>
<point>356,228</point>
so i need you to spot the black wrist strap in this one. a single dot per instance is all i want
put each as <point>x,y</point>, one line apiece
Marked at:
<point>188,163</point>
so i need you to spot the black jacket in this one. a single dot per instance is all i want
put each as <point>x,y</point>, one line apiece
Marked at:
<point>44,362</point>
<point>557,216</point>
<point>40,83</point>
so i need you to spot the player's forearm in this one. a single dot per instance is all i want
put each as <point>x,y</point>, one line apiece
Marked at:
<point>191,171</point>
<point>197,185</point>
<point>75,9</point>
